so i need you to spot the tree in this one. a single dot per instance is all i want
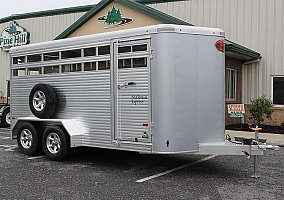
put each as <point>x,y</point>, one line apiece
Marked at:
<point>108,18</point>
<point>260,108</point>
<point>12,29</point>
<point>118,16</point>
<point>113,16</point>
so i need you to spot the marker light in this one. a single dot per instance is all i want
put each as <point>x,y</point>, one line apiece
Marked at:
<point>220,45</point>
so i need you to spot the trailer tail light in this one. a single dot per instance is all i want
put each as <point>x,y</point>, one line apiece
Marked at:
<point>220,45</point>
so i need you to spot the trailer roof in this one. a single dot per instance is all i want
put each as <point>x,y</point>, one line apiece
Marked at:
<point>96,38</point>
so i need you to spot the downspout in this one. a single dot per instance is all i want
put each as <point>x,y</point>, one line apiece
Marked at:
<point>243,66</point>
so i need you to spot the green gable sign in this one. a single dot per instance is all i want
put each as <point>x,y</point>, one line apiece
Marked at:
<point>14,35</point>
<point>114,18</point>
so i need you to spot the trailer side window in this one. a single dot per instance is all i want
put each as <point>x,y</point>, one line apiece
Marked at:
<point>51,69</point>
<point>103,65</point>
<point>125,49</point>
<point>75,53</point>
<point>34,58</point>
<point>90,66</point>
<point>104,50</point>
<point>124,63</point>
<point>19,72</point>
<point>71,68</point>
<point>132,63</point>
<point>34,71</point>
<point>139,62</point>
<point>140,47</point>
<point>90,51</point>
<point>134,48</point>
<point>19,60</point>
<point>51,56</point>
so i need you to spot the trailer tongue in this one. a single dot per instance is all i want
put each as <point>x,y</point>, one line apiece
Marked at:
<point>229,148</point>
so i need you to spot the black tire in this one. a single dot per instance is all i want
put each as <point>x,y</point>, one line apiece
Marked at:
<point>29,139</point>
<point>48,107</point>
<point>5,119</point>
<point>58,136</point>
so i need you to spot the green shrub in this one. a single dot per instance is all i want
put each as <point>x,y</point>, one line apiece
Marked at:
<point>260,108</point>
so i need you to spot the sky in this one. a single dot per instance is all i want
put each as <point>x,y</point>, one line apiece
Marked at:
<point>9,7</point>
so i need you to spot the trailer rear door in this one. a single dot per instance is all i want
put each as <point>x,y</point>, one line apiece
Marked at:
<point>132,90</point>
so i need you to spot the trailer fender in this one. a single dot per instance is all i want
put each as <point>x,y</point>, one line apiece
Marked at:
<point>75,128</point>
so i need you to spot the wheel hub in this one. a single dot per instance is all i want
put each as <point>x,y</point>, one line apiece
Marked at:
<point>53,143</point>
<point>8,118</point>
<point>39,100</point>
<point>26,138</point>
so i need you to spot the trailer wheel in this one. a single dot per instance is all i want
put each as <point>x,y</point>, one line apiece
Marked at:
<point>42,101</point>
<point>29,139</point>
<point>56,143</point>
<point>5,119</point>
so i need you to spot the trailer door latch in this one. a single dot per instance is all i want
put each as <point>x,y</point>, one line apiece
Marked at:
<point>126,84</point>
<point>168,143</point>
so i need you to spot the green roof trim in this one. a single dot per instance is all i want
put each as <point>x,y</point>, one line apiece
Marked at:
<point>156,1</point>
<point>237,48</point>
<point>47,13</point>
<point>131,4</point>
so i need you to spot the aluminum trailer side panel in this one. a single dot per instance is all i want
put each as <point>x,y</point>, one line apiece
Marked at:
<point>84,97</point>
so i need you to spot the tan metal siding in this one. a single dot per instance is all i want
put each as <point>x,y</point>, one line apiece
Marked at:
<point>256,24</point>
<point>4,73</point>
<point>41,29</point>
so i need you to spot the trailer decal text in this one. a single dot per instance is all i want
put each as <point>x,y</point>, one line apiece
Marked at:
<point>139,99</point>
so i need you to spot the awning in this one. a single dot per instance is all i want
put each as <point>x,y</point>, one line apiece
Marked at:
<point>240,52</point>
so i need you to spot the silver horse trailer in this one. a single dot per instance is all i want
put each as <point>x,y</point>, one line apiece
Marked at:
<point>156,89</point>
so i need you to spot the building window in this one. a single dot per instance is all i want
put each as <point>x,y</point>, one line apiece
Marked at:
<point>231,84</point>
<point>278,90</point>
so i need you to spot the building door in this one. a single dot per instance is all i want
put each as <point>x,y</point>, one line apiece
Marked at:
<point>132,90</point>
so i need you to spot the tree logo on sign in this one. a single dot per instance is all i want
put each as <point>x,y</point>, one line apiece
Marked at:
<point>114,18</point>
